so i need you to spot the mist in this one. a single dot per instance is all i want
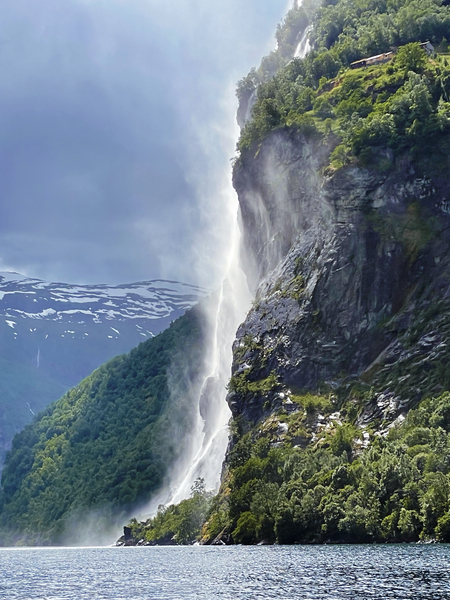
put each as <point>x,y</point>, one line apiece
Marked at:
<point>118,127</point>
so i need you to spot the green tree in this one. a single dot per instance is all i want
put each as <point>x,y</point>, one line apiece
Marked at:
<point>411,57</point>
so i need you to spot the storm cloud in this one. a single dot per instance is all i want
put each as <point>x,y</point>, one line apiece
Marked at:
<point>117,128</point>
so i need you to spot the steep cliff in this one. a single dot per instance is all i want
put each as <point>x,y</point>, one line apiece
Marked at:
<point>340,371</point>
<point>352,269</point>
<point>339,387</point>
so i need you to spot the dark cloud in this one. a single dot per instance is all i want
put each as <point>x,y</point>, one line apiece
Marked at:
<point>116,131</point>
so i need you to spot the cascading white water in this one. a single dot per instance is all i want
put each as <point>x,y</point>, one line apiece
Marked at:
<point>304,45</point>
<point>205,445</point>
<point>213,413</point>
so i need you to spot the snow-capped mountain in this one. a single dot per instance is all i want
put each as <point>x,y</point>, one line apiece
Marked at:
<point>145,308</point>
<point>52,335</point>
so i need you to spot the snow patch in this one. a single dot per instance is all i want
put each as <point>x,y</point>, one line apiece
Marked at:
<point>7,276</point>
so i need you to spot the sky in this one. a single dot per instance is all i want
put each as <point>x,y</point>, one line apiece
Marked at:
<point>117,126</point>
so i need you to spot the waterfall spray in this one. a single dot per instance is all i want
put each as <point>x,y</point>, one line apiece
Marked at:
<point>213,414</point>
<point>304,46</point>
<point>204,447</point>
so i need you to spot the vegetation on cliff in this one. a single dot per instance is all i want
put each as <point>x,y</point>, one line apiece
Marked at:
<point>398,105</point>
<point>340,486</point>
<point>176,524</point>
<point>107,443</point>
<point>287,35</point>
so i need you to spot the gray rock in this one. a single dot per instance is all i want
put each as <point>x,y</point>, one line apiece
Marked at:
<point>351,277</point>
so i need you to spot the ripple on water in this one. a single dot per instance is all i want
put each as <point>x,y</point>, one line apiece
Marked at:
<point>376,572</point>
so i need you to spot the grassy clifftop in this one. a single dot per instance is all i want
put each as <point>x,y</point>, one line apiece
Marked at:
<point>398,105</point>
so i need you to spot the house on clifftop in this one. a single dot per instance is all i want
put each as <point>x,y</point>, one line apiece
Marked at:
<point>372,60</point>
<point>386,56</point>
<point>427,47</point>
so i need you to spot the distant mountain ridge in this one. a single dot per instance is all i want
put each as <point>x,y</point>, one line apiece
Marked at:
<point>37,299</point>
<point>54,334</point>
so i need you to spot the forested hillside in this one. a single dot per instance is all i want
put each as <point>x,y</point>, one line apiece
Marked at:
<point>108,443</point>
<point>55,334</point>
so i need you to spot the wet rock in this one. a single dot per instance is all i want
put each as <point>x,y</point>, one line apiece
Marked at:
<point>127,538</point>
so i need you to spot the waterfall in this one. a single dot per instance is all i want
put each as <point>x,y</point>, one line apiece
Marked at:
<point>213,414</point>
<point>304,45</point>
<point>205,445</point>
<point>250,104</point>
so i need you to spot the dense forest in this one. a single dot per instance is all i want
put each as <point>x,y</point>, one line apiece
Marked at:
<point>107,444</point>
<point>344,487</point>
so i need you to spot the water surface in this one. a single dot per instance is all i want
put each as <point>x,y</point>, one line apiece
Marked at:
<point>229,573</point>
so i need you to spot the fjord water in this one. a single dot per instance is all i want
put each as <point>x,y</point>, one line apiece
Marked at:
<point>377,572</point>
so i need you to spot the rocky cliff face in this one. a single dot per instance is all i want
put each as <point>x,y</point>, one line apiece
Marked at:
<point>351,272</point>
